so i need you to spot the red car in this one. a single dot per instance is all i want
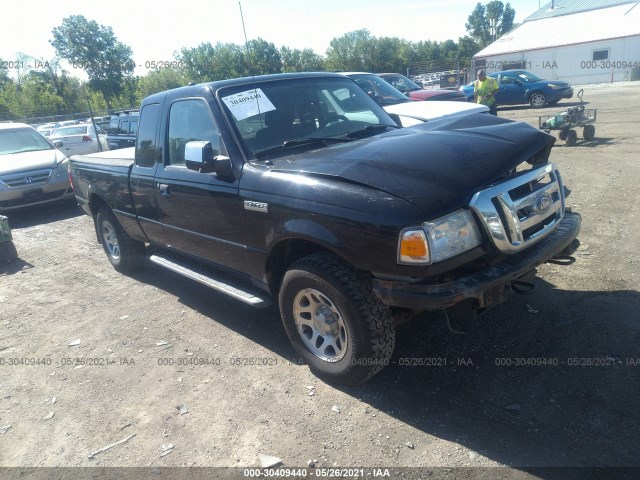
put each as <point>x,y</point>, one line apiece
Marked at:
<point>416,92</point>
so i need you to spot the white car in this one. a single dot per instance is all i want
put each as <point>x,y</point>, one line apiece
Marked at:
<point>80,139</point>
<point>411,112</point>
<point>32,170</point>
<point>47,128</point>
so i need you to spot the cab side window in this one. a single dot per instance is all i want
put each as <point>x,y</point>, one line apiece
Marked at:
<point>190,120</point>
<point>123,127</point>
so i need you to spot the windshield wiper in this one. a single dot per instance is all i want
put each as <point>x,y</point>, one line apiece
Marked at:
<point>303,141</point>
<point>367,129</point>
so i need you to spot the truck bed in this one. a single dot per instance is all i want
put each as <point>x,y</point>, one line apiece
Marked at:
<point>123,157</point>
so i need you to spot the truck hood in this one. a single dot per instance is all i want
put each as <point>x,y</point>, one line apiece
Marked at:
<point>27,161</point>
<point>436,166</point>
<point>412,113</point>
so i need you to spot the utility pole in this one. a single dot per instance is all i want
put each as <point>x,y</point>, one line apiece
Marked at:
<point>493,29</point>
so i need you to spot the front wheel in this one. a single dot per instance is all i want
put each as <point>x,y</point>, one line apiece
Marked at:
<point>334,320</point>
<point>124,253</point>
<point>537,100</point>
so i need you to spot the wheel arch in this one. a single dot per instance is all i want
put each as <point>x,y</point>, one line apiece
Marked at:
<point>96,202</point>
<point>287,251</point>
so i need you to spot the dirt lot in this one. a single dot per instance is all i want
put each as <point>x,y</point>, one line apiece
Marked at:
<point>119,357</point>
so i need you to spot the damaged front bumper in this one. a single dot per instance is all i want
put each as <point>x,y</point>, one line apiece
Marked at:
<point>487,287</point>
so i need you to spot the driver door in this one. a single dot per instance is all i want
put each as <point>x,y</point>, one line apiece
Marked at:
<point>199,211</point>
<point>511,92</point>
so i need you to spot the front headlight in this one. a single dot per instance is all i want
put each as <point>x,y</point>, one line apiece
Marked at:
<point>62,168</point>
<point>439,239</point>
<point>554,87</point>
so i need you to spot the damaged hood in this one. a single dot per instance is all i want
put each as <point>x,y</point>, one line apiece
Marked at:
<point>436,166</point>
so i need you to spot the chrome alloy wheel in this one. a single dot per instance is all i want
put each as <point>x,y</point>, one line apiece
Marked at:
<point>110,239</point>
<point>538,100</point>
<point>320,325</point>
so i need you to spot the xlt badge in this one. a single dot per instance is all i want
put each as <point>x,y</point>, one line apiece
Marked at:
<point>256,206</point>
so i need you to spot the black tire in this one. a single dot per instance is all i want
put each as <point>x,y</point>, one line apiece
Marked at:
<point>588,132</point>
<point>334,320</point>
<point>562,135</point>
<point>572,138</point>
<point>124,253</point>
<point>537,100</point>
<point>8,251</point>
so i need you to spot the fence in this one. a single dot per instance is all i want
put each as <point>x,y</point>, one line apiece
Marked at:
<point>440,74</point>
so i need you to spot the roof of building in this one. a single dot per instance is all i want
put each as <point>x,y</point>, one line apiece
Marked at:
<point>602,23</point>
<point>557,8</point>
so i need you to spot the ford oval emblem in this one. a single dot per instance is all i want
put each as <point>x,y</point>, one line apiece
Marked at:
<point>542,203</point>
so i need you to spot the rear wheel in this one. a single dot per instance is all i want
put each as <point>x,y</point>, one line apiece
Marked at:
<point>124,253</point>
<point>562,135</point>
<point>589,132</point>
<point>537,100</point>
<point>572,138</point>
<point>334,320</point>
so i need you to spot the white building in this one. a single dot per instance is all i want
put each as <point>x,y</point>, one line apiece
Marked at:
<point>579,41</point>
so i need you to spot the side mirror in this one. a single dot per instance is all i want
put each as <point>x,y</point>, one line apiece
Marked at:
<point>57,144</point>
<point>396,118</point>
<point>199,157</point>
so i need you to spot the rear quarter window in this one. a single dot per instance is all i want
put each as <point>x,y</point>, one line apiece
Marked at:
<point>147,146</point>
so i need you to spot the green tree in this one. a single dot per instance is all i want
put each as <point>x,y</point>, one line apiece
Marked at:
<point>4,73</point>
<point>294,60</point>
<point>95,49</point>
<point>262,58</point>
<point>351,52</point>
<point>467,48</point>
<point>158,81</point>
<point>390,54</point>
<point>479,22</point>
<point>206,63</point>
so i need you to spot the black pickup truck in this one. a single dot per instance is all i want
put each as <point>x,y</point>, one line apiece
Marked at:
<point>300,188</point>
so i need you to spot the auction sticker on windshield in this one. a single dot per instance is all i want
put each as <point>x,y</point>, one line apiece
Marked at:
<point>248,103</point>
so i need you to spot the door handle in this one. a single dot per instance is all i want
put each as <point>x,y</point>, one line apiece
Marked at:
<point>164,189</point>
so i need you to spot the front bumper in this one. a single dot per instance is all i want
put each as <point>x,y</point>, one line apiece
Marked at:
<point>489,286</point>
<point>568,93</point>
<point>56,188</point>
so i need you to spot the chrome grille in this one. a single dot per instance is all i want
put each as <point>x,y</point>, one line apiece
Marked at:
<point>26,179</point>
<point>523,210</point>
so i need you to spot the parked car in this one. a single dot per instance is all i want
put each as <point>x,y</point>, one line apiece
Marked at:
<point>416,92</point>
<point>123,128</point>
<point>48,128</point>
<point>32,170</point>
<point>80,139</point>
<point>300,189</point>
<point>410,112</point>
<point>519,87</point>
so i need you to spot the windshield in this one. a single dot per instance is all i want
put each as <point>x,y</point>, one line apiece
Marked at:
<point>527,76</point>
<point>402,83</point>
<point>18,140</point>
<point>268,114</point>
<point>378,89</point>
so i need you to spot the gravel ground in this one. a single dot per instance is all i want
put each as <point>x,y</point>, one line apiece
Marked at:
<point>186,377</point>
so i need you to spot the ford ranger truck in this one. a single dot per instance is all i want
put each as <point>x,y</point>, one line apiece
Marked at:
<point>301,189</point>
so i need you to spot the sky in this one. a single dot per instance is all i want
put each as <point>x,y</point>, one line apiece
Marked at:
<point>155,30</point>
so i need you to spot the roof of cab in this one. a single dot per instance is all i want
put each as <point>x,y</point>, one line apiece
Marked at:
<point>195,90</point>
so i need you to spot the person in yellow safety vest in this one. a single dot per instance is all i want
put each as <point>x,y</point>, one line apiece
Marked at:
<point>484,89</point>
